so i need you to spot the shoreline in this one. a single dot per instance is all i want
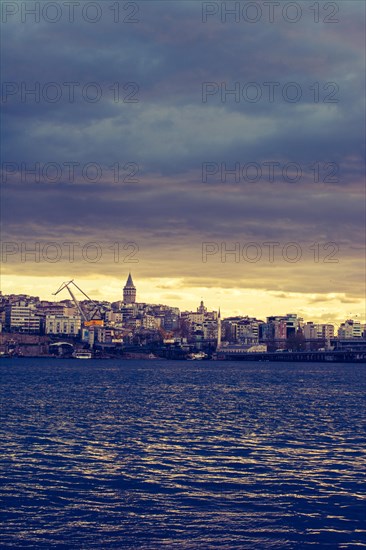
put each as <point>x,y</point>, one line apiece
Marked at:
<point>356,357</point>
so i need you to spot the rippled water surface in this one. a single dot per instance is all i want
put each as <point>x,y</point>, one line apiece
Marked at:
<point>191,455</point>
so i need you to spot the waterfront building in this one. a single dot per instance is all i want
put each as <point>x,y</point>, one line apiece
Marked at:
<point>63,325</point>
<point>22,318</point>
<point>325,330</point>
<point>310,331</point>
<point>322,331</point>
<point>240,329</point>
<point>284,326</point>
<point>108,336</point>
<point>350,329</point>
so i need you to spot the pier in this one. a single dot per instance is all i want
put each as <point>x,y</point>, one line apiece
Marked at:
<point>345,356</point>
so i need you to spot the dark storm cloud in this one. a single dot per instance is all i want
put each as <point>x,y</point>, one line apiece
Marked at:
<point>170,53</point>
<point>174,212</point>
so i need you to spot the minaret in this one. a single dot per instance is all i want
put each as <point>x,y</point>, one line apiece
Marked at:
<point>129,291</point>
<point>218,331</point>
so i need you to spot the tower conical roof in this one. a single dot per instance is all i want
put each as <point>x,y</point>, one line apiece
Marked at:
<point>130,281</point>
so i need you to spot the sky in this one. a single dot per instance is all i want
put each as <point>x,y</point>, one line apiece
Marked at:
<point>214,156</point>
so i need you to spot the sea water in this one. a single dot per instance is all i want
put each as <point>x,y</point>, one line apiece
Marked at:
<point>182,455</point>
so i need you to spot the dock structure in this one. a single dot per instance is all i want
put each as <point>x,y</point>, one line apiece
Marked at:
<point>346,356</point>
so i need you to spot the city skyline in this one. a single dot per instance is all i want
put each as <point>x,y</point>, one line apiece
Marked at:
<point>225,313</point>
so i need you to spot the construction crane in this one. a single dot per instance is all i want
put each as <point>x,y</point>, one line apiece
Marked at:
<point>85,317</point>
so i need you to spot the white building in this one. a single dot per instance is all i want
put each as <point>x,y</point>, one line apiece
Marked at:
<point>239,329</point>
<point>23,318</point>
<point>312,331</point>
<point>325,331</point>
<point>350,329</point>
<point>63,325</point>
